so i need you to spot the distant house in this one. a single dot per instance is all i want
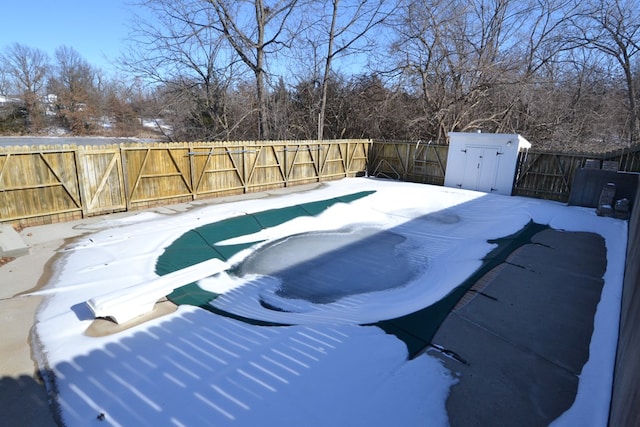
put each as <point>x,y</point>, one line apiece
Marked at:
<point>6,100</point>
<point>7,105</point>
<point>50,100</point>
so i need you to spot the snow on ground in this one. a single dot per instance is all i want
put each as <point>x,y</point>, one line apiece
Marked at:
<point>193,367</point>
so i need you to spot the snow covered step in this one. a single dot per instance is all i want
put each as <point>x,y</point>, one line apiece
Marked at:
<point>125,304</point>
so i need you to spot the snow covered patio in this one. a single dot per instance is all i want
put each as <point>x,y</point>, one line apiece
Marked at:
<point>402,247</point>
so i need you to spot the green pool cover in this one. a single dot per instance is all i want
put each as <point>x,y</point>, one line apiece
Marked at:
<point>199,244</point>
<point>416,329</point>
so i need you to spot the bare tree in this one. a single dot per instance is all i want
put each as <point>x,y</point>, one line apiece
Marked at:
<point>345,28</point>
<point>178,48</point>
<point>74,85</point>
<point>471,62</point>
<point>27,70</point>
<point>122,102</point>
<point>191,49</point>
<point>254,39</point>
<point>612,27</point>
<point>536,58</point>
<point>432,57</point>
<point>4,80</point>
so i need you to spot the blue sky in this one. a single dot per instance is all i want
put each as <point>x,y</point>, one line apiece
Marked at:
<point>96,29</point>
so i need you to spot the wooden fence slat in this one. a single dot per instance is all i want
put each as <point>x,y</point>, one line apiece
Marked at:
<point>186,182</point>
<point>3,166</point>
<point>138,175</point>
<point>103,183</point>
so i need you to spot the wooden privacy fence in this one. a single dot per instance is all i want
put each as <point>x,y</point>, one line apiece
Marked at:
<point>58,183</point>
<point>409,161</point>
<point>539,174</point>
<point>549,175</point>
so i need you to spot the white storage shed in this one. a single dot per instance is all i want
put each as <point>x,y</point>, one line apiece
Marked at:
<point>483,161</point>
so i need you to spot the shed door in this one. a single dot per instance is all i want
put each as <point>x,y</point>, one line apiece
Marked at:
<point>481,168</point>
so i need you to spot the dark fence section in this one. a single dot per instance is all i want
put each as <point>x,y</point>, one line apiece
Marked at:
<point>408,161</point>
<point>540,174</point>
<point>548,175</point>
<point>626,383</point>
<point>588,184</point>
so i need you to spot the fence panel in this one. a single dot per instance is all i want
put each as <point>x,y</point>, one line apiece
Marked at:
<point>265,166</point>
<point>334,160</point>
<point>357,153</point>
<point>343,158</point>
<point>218,169</point>
<point>36,181</point>
<point>547,175</point>
<point>101,179</point>
<point>302,162</point>
<point>409,161</point>
<point>156,172</point>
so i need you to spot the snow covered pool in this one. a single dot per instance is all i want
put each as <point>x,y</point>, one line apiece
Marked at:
<point>399,248</point>
<point>324,267</point>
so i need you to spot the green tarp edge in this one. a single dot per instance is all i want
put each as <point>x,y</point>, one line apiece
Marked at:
<point>417,329</point>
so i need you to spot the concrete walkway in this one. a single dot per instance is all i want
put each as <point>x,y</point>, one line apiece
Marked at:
<point>23,399</point>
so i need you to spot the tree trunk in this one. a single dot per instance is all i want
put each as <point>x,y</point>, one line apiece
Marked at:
<point>263,117</point>
<point>327,71</point>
